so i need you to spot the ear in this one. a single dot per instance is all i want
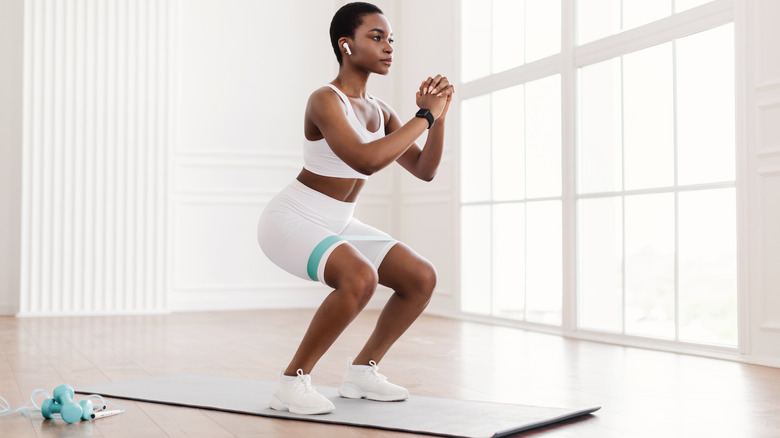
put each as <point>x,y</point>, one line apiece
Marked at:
<point>343,40</point>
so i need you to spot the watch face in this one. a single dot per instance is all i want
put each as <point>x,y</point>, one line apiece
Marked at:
<point>426,114</point>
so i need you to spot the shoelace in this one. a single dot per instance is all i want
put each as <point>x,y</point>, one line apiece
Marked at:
<point>303,382</point>
<point>375,371</point>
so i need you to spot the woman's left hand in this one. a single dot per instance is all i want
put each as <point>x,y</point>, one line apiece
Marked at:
<point>450,91</point>
<point>440,86</point>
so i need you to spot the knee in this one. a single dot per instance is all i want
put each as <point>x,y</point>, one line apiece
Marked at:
<point>420,283</point>
<point>426,279</point>
<point>360,284</point>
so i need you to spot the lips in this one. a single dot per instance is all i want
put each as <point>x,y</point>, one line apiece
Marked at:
<point>388,61</point>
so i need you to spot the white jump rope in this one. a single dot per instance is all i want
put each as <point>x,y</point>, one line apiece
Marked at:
<point>63,406</point>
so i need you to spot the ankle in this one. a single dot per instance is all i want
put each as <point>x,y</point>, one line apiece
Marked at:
<point>291,371</point>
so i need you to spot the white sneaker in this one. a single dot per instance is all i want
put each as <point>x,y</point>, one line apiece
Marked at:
<point>299,397</point>
<point>366,382</point>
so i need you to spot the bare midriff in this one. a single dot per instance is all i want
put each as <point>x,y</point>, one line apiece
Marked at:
<point>342,189</point>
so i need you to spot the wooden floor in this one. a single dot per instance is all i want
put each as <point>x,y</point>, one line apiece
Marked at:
<point>642,393</point>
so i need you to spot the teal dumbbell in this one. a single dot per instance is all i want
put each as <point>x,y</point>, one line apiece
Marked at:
<point>63,404</point>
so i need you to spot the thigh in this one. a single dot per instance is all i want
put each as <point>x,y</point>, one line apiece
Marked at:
<point>290,241</point>
<point>404,269</point>
<point>372,242</point>
<point>345,264</point>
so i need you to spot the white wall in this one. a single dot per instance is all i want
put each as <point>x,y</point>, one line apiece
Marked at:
<point>247,68</point>
<point>428,44</point>
<point>11,75</point>
<point>759,36</point>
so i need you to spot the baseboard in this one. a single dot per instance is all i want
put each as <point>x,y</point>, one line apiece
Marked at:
<point>773,362</point>
<point>8,310</point>
<point>79,314</point>
<point>307,296</point>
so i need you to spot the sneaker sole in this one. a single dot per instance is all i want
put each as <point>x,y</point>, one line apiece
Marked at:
<point>353,392</point>
<point>278,405</point>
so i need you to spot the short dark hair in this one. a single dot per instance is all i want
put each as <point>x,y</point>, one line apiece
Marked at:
<point>348,18</point>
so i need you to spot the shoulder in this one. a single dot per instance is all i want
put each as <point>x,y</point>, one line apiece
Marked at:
<point>324,100</point>
<point>324,94</point>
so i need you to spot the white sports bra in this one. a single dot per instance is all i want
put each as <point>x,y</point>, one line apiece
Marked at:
<point>319,158</point>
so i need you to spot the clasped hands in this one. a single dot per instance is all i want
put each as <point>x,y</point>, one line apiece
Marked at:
<point>435,95</point>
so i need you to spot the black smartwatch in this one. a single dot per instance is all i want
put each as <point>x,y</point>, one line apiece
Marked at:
<point>426,114</point>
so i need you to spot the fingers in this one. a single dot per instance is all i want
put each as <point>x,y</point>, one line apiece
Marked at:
<point>434,85</point>
<point>446,91</point>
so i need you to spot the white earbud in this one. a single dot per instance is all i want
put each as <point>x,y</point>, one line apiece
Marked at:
<point>346,47</point>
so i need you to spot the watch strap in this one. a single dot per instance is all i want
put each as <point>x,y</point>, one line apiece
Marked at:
<point>426,114</point>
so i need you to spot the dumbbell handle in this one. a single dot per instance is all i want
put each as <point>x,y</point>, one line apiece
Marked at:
<point>63,394</point>
<point>50,407</point>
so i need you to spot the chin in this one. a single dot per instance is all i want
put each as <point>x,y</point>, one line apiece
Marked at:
<point>384,71</point>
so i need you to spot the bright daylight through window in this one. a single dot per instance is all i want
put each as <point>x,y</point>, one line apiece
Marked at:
<point>653,193</point>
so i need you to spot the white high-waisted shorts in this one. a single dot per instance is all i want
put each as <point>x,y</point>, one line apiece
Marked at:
<point>301,227</point>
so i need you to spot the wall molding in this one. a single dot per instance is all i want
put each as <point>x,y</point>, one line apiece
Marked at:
<point>768,86</point>
<point>247,287</point>
<point>228,161</point>
<point>770,326</point>
<point>429,198</point>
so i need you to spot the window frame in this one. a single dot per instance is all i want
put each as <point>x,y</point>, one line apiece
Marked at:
<point>567,64</point>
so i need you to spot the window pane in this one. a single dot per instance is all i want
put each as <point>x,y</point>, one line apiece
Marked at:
<point>649,231</point>
<point>475,149</point>
<point>543,137</point>
<point>542,29</point>
<point>543,262</point>
<point>509,260</point>
<point>508,148</point>
<point>508,35</point>
<point>475,259</point>
<point>682,5</point>
<point>708,267</point>
<point>648,118</point>
<point>597,19</point>
<point>639,12</point>
<point>600,144</point>
<point>475,34</point>
<point>705,106</point>
<point>600,264</point>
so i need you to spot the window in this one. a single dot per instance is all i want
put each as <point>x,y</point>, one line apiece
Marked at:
<point>498,36</point>
<point>601,18</point>
<point>652,197</point>
<point>511,202</point>
<point>656,163</point>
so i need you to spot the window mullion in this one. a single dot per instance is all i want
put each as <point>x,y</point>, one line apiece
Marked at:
<point>568,183</point>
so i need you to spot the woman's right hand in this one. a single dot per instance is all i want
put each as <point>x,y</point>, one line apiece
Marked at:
<point>433,95</point>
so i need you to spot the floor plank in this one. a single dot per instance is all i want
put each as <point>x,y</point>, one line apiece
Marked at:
<point>642,393</point>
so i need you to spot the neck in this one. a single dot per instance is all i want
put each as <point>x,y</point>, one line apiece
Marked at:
<point>352,82</point>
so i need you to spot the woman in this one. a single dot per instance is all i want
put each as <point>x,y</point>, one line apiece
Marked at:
<point>308,228</point>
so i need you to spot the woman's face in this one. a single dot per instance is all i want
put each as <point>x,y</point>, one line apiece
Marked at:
<point>372,46</point>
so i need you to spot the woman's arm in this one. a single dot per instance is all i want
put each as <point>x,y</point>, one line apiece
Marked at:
<point>424,162</point>
<point>326,112</point>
